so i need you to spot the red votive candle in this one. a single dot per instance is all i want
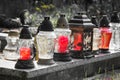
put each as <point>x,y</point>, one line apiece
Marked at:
<point>63,44</point>
<point>25,53</point>
<point>105,38</point>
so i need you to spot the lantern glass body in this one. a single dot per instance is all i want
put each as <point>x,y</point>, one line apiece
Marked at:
<point>10,51</point>
<point>45,43</point>
<point>81,39</point>
<point>24,49</point>
<point>96,39</point>
<point>81,42</point>
<point>106,35</point>
<point>115,40</point>
<point>87,40</point>
<point>62,40</point>
<point>76,39</point>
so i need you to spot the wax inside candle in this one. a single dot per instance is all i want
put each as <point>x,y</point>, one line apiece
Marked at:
<point>25,53</point>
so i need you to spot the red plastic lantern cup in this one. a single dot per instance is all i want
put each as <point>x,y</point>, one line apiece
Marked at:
<point>25,53</point>
<point>63,44</point>
<point>106,35</point>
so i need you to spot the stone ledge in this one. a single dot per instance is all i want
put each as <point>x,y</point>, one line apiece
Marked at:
<point>74,70</point>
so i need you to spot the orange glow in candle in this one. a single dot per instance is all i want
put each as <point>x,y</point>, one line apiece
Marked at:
<point>105,38</point>
<point>77,41</point>
<point>25,53</point>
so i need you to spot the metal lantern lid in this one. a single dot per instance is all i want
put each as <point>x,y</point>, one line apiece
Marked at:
<point>82,21</point>
<point>104,22</point>
<point>25,33</point>
<point>46,25</point>
<point>115,18</point>
<point>62,22</point>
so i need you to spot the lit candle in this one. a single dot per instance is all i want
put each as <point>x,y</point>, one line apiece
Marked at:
<point>25,53</point>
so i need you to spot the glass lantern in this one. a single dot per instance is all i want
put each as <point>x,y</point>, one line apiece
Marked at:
<point>62,31</point>
<point>10,51</point>
<point>115,27</point>
<point>106,34</point>
<point>46,42</point>
<point>96,36</point>
<point>81,36</point>
<point>25,50</point>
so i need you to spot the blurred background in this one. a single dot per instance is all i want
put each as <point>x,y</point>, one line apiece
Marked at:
<point>37,9</point>
<point>12,8</point>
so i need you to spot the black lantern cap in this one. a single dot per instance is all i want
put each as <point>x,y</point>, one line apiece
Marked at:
<point>104,22</point>
<point>62,14</point>
<point>94,20</point>
<point>62,22</point>
<point>22,16</point>
<point>9,23</point>
<point>25,33</point>
<point>2,19</point>
<point>115,18</point>
<point>81,12</point>
<point>46,25</point>
<point>80,15</point>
